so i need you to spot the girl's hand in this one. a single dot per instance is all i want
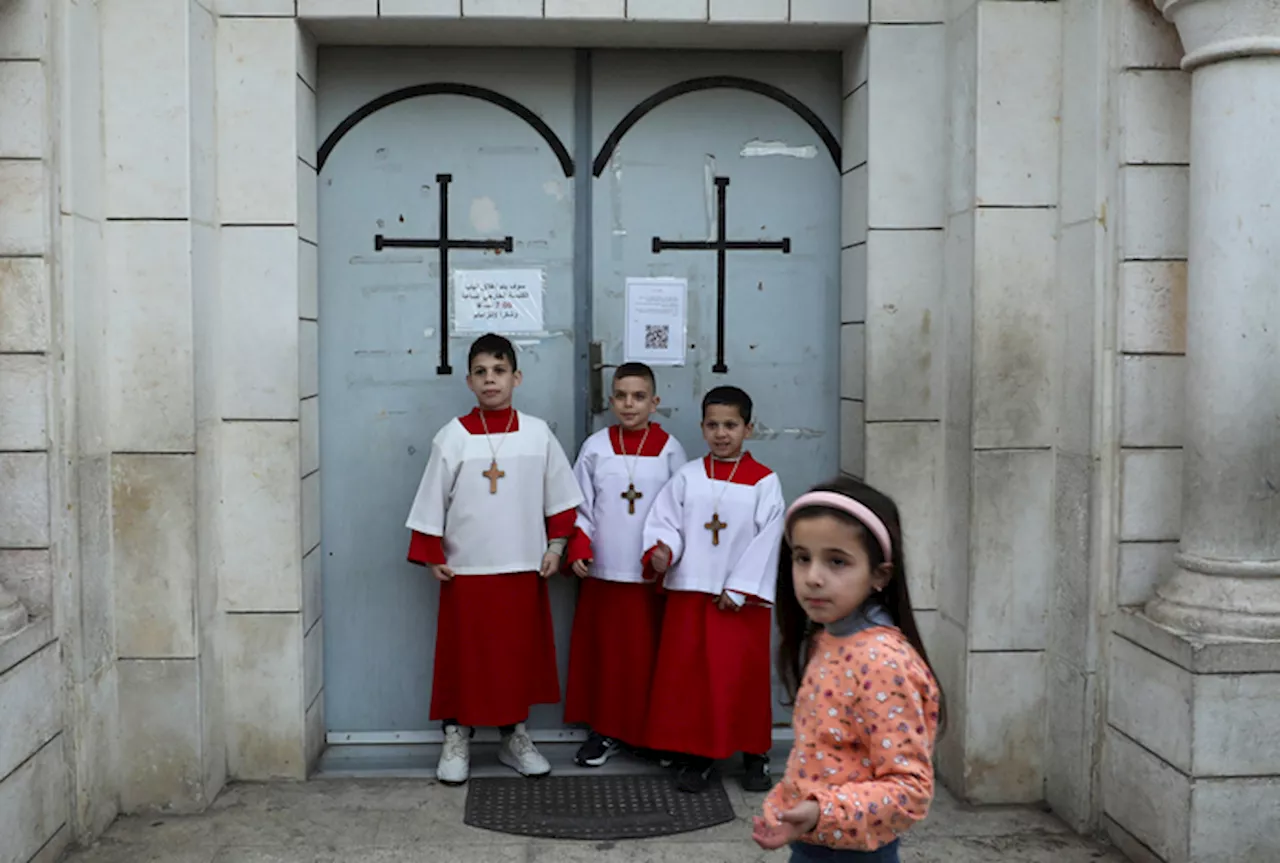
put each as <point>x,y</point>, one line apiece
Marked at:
<point>726,603</point>
<point>661,558</point>
<point>795,823</point>
<point>442,573</point>
<point>550,564</point>
<point>580,568</point>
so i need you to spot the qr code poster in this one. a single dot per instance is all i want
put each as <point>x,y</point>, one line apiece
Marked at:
<point>655,332</point>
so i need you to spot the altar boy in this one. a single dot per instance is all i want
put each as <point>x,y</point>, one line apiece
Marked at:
<point>491,518</point>
<point>713,537</point>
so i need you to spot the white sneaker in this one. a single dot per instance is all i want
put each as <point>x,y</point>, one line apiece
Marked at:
<point>519,753</point>
<point>455,756</point>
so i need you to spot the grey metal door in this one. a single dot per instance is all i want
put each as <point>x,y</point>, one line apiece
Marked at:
<point>403,129</point>
<point>693,149</point>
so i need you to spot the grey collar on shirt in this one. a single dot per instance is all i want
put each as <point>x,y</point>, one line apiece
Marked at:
<point>870,614</point>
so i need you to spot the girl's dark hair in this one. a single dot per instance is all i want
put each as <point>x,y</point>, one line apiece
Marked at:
<point>797,630</point>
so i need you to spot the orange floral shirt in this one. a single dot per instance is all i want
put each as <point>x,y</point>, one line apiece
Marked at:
<point>865,719</point>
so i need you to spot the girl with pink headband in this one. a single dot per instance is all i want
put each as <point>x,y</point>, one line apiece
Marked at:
<point>866,707</point>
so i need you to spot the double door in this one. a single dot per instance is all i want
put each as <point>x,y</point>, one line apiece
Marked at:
<point>564,173</point>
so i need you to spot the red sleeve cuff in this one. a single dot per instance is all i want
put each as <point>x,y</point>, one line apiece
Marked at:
<point>426,550</point>
<point>579,547</point>
<point>560,525</point>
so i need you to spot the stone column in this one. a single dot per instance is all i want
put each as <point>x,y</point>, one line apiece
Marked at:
<point>1226,579</point>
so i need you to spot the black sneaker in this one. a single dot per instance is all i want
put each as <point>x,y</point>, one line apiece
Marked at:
<point>695,776</point>
<point>757,776</point>
<point>596,751</point>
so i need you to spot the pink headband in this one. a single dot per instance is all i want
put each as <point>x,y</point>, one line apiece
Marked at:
<point>860,511</point>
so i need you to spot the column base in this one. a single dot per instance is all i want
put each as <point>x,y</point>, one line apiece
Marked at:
<point>1225,598</point>
<point>1191,766</point>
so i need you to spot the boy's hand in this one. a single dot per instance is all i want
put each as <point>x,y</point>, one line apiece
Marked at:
<point>726,603</point>
<point>550,564</point>
<point>795,823</point>
<point>581,567</point>
<point>661,558</point>
<point>442,573</point>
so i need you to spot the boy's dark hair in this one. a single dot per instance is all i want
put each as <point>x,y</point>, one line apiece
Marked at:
<point>496,346</point>
<point>733,397</point>
<point>636,370</point>
<point>797,631</point>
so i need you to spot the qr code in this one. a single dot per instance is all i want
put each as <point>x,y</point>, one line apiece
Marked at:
<point>657,337</point>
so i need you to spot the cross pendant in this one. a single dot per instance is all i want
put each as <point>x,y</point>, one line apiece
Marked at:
<point>715,526</point>
<point>493,475</point>
<point>631,496</point>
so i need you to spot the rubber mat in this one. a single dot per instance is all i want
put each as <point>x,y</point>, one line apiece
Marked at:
<point>593,807</point>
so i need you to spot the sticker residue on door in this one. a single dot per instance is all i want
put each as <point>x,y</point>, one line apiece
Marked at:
<point>778,148</point>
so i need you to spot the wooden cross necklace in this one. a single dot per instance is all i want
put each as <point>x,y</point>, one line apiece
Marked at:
<point>716,525</point>
<point>493,474</point>
<point>631,495</point>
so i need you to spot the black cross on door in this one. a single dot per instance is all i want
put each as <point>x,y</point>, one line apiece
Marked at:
<point>444,243</point>
<point>722,246</point>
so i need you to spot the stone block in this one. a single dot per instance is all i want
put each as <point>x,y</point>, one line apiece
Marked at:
<point>23,24</point>
<point>1085,113</point>
<point>1150,701</point>
<point>160,748</point>
<point>24,488</point>
<point>1233,718</point>
<point>30,709</point>
<point>316,731</point>
<point>308,281</point>
<point>906,153</point>
<point>1150,494</point>
<point>24,296</point>
<point>145,120</point>
<point>307,53</point>
<point>1081,266</point>
<point>265,710</point>
<point>22,94</point>
<point>1019,87</point>
<point>309,412</point>
<point>1070,731</point>
<point>202,104</point>
<point>951,667</point>
<point>853,438</point>
<point>308,359</point>
<point>259,299</point>
<point>306,134</point>
<point>33,803</point>
<point>81,161</point>
<point>23,425</point>
<point>308,204</point>
<point>902,461</point>
<point>1156,211</point>
<point>908,11</point>
<point>1011,551</point>
<point>256,8</point>
<point>312,588</point>
<point>1155,306</point>
<point>829,11</point>
<point>501,8</point>
<point>213,730</point>
<point>26,642</point>
<point>337,8</point>
<point>261,517</point>
<point>904,307</point>
<point>667,10</point>
<point>853,204</point>
<point>150,336</point>
<point>853,62</point>
<point>257,121</point>
<point>421,8</point>
<point>1143,566</point>
<point>1147,40</point>
<point>28,573</point>
<point>313,661</point>
<point>1156,116</point>
<point>1072,591</point>
<point>962,99</point>
<point>1005,734</point>
<point>1013,326</point>
<point>853,284</point>
<point>1233,820</point>
<point>853,357</point>
<point>595,9</point>
<point>311,511</point>
<point>93,728</point>
<point>153,522</point>
<point>1152,401</point>
<point>1147,797</point>
<point>855,128</point>
<point>741,11</point>
<point>23,228</point>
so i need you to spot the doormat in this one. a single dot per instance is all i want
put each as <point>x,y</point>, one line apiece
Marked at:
<point>594,807</point>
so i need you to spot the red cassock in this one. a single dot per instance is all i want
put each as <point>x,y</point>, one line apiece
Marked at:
<point>495,653</point>
<point>615,631</point>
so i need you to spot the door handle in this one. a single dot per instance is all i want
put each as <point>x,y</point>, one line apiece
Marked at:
<point>595,356</point>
